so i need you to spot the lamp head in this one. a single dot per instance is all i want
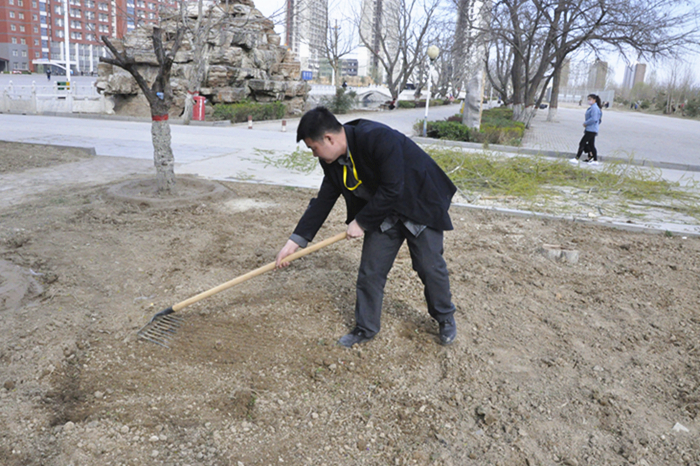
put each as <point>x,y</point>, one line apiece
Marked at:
<point>433,52</point>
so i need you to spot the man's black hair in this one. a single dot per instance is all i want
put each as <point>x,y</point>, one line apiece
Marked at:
<point>317,122</point>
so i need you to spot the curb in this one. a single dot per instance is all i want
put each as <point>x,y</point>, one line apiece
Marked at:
<point>554,154</point>
<point>99,116</point>
<point>675,229</point>
<point>86,150</point>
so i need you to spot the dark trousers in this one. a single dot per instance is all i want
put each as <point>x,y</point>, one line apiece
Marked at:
<point>587,144</point>
<point>378,253</point>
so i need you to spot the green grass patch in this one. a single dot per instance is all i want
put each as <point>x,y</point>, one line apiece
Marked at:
<point>537,179</point>
<point>299,161</point>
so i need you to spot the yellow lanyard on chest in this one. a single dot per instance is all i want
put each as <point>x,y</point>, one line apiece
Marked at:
<point>354,172</point>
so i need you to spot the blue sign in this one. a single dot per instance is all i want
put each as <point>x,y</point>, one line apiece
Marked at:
<point>307,75</point>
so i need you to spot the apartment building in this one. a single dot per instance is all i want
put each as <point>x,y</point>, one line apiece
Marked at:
<point>32,32</point>
<point>379,24</point>
<point>306,26</point>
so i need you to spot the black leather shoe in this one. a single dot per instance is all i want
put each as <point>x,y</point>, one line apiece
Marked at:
<point>356,337</point>
<point>448,331</point>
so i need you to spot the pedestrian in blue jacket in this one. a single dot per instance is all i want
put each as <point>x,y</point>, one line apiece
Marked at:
<point>594,116</point>
<point>394,193</point>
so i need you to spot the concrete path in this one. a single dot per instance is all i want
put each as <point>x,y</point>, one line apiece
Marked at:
<point>233,152</point>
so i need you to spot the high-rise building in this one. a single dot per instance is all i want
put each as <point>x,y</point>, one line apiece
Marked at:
<point>307,23</point>
<point>598,75</point>
<point>634,74</point>
<point>379,24</point>
<point>34,30</point>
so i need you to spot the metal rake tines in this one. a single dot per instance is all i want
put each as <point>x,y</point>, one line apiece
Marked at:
<point>161,329</point>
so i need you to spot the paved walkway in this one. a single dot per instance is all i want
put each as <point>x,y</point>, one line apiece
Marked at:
<point>237,153</point>
<point>653,138</point>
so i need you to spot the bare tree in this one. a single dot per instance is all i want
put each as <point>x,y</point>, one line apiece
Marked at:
<point>198,28</point>
<point>543,33</point>
<point>158,93</point>
<point>340,41</point>
<point>400,37</point>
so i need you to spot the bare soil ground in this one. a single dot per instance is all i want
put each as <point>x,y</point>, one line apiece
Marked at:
<point>582,363</point>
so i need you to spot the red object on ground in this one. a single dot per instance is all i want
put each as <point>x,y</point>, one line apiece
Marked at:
<point>198,108</point>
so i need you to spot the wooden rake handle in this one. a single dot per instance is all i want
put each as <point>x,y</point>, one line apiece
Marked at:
<point>259,271</point>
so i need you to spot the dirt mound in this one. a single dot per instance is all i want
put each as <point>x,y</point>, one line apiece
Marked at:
<point>188,191</point>
<point>15,157</point>
<point>16,286</point>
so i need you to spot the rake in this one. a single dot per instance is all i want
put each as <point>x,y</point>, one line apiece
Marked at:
<point>163,326</point>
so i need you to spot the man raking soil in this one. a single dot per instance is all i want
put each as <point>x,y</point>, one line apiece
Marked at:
<point>393,191</point>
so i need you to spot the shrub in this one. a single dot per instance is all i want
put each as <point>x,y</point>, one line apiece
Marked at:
<point>407,104</point>
<point>239,112</point>
<point>692,108</point>
<point>498,127</point>
<point>451,130</point>
<point>342,102</point>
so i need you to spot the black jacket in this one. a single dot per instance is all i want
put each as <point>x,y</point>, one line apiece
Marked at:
<point>402,178</point>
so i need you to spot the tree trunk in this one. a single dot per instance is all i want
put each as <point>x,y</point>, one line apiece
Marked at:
<point>187,113</point>
<point>527,114</point>
<point>471,116</point>
<point>163,156</point>
<point>554,99</point>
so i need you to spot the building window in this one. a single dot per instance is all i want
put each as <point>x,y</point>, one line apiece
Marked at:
<point>12,2</point>
<point>21,15</point>
<point>90,3</point>
<point>24,53</point>
<point>104,18</point>
<point>12,14</point>
<point>58,10</point>
<point>59,34</point>
<point>102,7</point>
<point>14,40</point>
<point>75,13</point>
<point>13,27</point>
<point>33,4</point>
<point>91,26</point>
<point>37,54</point>
<point>23,41</point>
<point>21,28</point>
<point>20,2</point>
<point>76,35</point>
<point>36,42</point>
<point>35,18</point>
<point>90,15</point>
<point>59,22</point>
<point>36,30</point>
<point>14,53</point>
<point>76,25</point>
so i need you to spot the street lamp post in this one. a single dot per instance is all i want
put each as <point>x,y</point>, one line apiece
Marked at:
<point>433,52</point>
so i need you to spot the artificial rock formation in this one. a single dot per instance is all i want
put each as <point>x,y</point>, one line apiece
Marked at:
<point>244,58</point>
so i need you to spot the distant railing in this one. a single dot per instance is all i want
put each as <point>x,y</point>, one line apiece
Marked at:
<point>58,97</point>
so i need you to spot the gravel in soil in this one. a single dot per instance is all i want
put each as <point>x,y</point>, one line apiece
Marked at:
<point>593,362</point>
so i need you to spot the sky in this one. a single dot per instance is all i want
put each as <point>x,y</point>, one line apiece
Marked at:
<point>616,62</point>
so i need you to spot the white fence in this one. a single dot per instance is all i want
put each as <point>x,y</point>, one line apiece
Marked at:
<point>54,98</point>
